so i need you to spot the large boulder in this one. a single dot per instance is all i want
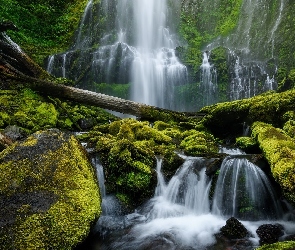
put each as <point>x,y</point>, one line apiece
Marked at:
<point>234,229</point>
<point>49,195</point>
<point>269,233</point>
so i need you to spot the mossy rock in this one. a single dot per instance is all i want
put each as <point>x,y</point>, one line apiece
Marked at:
<point>128,150</point>
<point>279,150</point>
<point>247,144</point>
<point>227,118</point>
<point>286,245</point>
<point>49,193</point>
<point>198,143</point>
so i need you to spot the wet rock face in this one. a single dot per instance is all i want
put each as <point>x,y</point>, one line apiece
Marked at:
<point>49,194</point>
<point>269,233</point>
<point>234,229</point>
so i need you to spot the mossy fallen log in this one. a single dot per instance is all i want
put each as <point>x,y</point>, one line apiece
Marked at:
<point>17,67</point>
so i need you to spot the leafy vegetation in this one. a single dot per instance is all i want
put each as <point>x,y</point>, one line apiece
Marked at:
<point>45,27</point>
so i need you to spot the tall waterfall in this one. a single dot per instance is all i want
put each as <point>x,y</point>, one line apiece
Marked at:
<point>137,47</point>
<point>183,214</point>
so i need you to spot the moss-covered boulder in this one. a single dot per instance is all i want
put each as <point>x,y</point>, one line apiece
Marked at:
<point>49,195</point>
<point>227,118</point>
<point>198,143</point>
<point>279,150</point>
<point>128,150</point>
<point>247,144</point>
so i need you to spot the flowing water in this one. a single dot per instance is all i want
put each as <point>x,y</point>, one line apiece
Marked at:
<point>133,43</point>
<point>139,48</point>
<point>208,83</point>
<point>184,215</point>
<point>251,48</point>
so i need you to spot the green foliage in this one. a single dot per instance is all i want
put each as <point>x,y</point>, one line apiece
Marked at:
<point>202,21</point>
<point>45,27</point>
<point>118,90</point>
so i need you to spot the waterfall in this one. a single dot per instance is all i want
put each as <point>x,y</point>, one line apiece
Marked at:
<point>243,191</point>
<point>208,84</point>
<point>137,47</point>
<point>187,192</point>
<point>251,49</point>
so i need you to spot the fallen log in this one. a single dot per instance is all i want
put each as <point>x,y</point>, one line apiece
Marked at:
<point>141,111</point>
<point>16,66</point>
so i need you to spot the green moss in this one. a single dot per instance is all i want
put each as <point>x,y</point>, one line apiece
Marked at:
<point>31,111</point>
<point>268,107</point>
<point>248,144</point>
<point>198,143</point>
<point>201,22</point>
<point>45,27</point>
<point>289,128</point>
<point>279,150</point>
<point>286,245</point>
<point>62,170</point>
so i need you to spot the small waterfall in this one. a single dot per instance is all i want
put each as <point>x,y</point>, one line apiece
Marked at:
<point>248,78</point>
<point>208,84</point>
<point>110,204</point>
<point>50,64</point>
<point>63,68</point>
<point>187,192</point>
<point>243,191</point>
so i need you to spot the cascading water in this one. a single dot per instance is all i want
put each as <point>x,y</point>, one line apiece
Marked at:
<point>138,49</point>
<point>243,191</point>
<point>181,214</point>
<point>208,84</point>
<point>251,49</point>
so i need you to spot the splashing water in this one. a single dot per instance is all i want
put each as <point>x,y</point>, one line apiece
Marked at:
<point>179,215</point>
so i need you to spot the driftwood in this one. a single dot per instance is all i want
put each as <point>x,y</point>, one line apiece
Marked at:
<point>16,66</point>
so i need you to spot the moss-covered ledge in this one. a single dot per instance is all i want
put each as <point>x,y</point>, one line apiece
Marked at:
<point>49,195</point>
<point>279,150</point>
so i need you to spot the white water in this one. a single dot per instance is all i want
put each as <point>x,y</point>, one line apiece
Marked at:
<point>208,84</point>
<point>179,215</point>
<point>250,46</point>
<point>147,47</point>
<point>243,191</point>
<point>138,49</point>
